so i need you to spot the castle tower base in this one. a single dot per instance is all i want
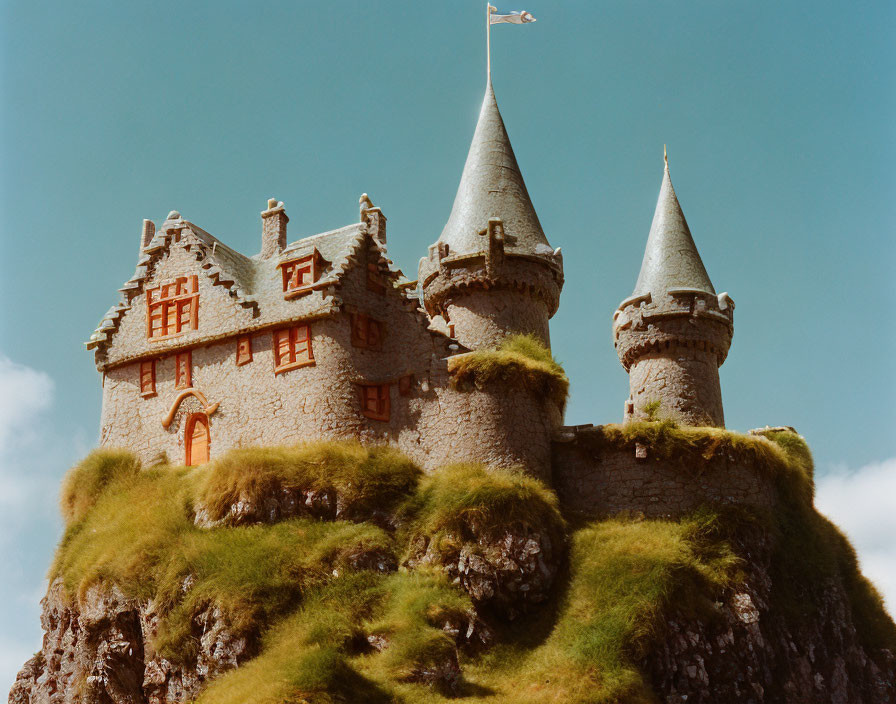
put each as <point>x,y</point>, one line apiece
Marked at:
<point>683,387</point>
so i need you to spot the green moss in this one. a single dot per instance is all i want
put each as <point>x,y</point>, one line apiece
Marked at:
<point>810,551</point>
<point>464,497</point>
<point>520,360</point>
<point>294,585</point>
<point>88,479</point>
<point>366,479</point>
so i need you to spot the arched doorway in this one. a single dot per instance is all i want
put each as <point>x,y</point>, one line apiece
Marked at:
<point>197,439</point>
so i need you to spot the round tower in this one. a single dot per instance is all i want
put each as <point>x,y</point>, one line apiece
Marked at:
<point>492,272</point>
<point>673,333</point>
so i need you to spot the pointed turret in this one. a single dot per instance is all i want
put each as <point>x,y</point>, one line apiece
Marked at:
<point>673,333</point>
<point>492,272</point>
<point>492,186</point>
<point>671,260</point>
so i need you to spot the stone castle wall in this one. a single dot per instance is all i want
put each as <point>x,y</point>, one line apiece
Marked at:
<point>430,420</point>
<point>672,348</point>
<point>599,481</point>
<point>685,382</point>
<point>483,318</point>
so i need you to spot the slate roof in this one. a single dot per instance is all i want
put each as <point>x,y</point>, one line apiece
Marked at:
<point>252,282</point>
<point>671,260</point>
<point>492,186</point>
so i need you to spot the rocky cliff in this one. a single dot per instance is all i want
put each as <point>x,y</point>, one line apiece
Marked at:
<point>336,573</point>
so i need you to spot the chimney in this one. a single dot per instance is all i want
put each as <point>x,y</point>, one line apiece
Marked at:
<point>273,229</point>
<point>149,229</point>
<point>373,217</point>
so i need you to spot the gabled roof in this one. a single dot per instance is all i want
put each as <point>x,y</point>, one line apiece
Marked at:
<point>492,186</point>
<point>253,283</point>
<point>671,260</point>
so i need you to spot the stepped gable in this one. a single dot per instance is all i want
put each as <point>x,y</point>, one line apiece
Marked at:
<point>253,283</point>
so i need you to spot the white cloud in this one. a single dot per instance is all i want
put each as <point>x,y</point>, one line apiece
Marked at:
<point>30,467</point>
<point>862,502</point>
<point>24,394</point>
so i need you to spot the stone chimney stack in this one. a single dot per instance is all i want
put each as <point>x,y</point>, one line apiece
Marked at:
<point>273,229</point>
<point>149,229</point>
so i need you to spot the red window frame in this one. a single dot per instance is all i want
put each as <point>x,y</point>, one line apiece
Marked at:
<point>183,370</point>
<point>375,401</point>
<point>292,348</point>
<point>148,378</point>
<point>172,308</point>
<point>367,332</point>
<point>300,274</point>
<point>243,350</point>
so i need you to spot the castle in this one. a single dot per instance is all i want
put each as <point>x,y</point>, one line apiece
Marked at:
<point>209,349</point>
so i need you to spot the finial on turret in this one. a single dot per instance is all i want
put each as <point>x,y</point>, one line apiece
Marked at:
<point>665,156</point>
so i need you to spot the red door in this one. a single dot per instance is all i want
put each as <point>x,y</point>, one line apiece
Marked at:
<point>197,439</point>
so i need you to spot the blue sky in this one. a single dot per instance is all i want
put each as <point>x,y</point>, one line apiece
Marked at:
<point>779,118</point>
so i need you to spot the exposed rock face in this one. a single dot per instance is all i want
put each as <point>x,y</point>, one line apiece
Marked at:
<point>752,652</point>
<point>508,572</point>
<point>99,652</point>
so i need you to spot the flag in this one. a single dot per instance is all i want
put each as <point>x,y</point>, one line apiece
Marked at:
<point>515,17</point>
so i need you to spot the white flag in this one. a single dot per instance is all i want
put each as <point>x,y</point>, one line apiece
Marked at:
<point>515,17</point>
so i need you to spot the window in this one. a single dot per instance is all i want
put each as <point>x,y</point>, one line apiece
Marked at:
<point>300,274</point>
<point>375,279</point>
<point>292,348</point>
<point>243,351</point>
<point>183,372</point>
<point>172,308</point>
<point>375,401</point>
<point>366,332</point>
<point>148,378</point>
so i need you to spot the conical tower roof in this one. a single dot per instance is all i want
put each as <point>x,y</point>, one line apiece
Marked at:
<point>492,186</point>
<point>671,260</point>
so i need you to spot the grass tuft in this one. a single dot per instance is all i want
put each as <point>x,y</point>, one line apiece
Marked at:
<point>462,498</point>
<point>327,629</point>
<point>366,479</point>
<point>89,478</point>
<point>520,360</point>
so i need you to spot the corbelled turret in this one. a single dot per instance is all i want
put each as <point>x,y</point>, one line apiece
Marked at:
<point>492,272</point>
<point>673,333</point>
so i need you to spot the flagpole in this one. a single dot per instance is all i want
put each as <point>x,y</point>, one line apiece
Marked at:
<point>488,41</point>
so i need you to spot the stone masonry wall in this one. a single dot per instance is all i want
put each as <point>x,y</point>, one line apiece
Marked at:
<point>433,423</point>
<point>607,481</point>
<point>484,318</point>
<point>685,381</point>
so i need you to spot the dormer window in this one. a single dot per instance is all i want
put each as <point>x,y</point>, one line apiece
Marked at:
<point>299,275</point>
<point>172,308</point>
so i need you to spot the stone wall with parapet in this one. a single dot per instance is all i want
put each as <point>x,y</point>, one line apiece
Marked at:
<point>595,479</point>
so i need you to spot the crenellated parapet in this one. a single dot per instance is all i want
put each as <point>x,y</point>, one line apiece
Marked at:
<point>466,289</point>
<point>681,318</point>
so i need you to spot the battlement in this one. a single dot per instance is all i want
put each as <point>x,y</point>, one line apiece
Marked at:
<point>680,318</point>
